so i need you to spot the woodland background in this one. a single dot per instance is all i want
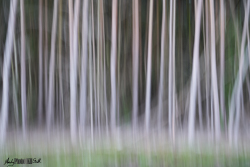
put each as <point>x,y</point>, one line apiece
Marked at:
<point>101,66</point>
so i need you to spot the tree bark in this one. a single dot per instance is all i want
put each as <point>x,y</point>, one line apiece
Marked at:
<point>193,89</point>
<point>135,61</point>
<point>6,70</point>
<point>214,74</point>
<point>113,65</point>
<point>222,60</point>
<point>162,64</point>
<point>51,95</point>
<point>23,70</point>
<point>149,67</point>
<point>40,91</point>
<point>83,98</point>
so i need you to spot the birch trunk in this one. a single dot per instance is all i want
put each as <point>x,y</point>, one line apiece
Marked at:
<point>149,64</point>
<point>40,91</point>
<point>83,98</point>
<point>135,61</point>
<point>51,96</point>
<point>23,70</point>
<point>113,65</point>
<point>214,74</point>
<point>170,72</point>
<point>162,65</point>
<point>222,59</point>
<point>6,70</point>
<point>193,89</point>
<point>73,68</point>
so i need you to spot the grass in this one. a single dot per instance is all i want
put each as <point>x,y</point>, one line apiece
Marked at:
<point>112,157</point>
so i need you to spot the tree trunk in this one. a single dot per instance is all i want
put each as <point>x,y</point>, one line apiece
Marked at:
<point>193,89</point>
<point>40,91</point>
<point>170,72</point>
<point>135,61</point>
<point>83,98</point>
<point>149,64</point>
<point>161,88</point>
<point>214,74</point>
<point>113,65</point>
<point>6,70</point>
<point>222,60</point>
<point>51,96</point>
<point>23,71</point>
<point>73,67</point>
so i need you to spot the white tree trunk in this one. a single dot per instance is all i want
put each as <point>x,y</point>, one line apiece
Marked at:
<point>149,64</point>
<point>135,60</point>
<point>23,70</point>
<point>174,89</point>
<point>239,82</point>
<point>214,74</point>
<point>91,84</point>
<point>6,70</point>
<point>193,89</point>
<point>40,82</point>
<point>162,64</point>
<point>207,69</point>
<point>73,67</point>
<point>170,72</point>
<point>51,97</point>
<point>83,94</point>
<point>113,65</point>
<point>222,59</point>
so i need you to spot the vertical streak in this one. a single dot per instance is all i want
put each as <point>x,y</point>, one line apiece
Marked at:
<point>149,64</point>
<point>222,57</point>
<point>193,89</point>
<point>174,88</point>
<point>113,64</point>
<point>170,73</point>
<point>162,64</point>
<point>40,98</point>
<point>135,61</point>
<point>6,70</point>
<point>214,74</point>
<point>83,99</point>
<point>23,70</point>
<point>51,97</point>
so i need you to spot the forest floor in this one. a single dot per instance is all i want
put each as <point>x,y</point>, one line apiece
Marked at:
<point>124,149</point>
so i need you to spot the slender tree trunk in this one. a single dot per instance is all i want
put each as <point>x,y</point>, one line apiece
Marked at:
<point>113,65</point>
<point>23,71</point>
<point>135,61</point>
<point>94,60</point>
<point>161,88</point>
<point>73,67</point>
<point>199,98</point>
<point>149,64</point>
<point>240,84</point>
<point>170,72</point>
<point>15,86</point>
<point>174,80</point>
<point>40,93</point>
<point>46,50</point>
<point>214,74</point>
<point>207,63</point>
<point>51,97</point>
<point>104,71</point>
<point>222,59</point>
<point>6,70</point>
<point>193,89</point>
<point>91,81</point>
<point>83,98</point>
<point>60,67</point>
